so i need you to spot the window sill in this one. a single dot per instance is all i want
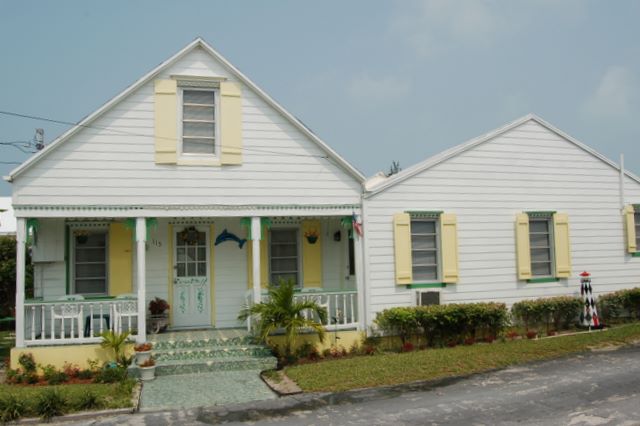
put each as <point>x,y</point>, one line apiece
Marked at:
<point>427,285</point>
<point>543,280</point>
<point>198,161</point>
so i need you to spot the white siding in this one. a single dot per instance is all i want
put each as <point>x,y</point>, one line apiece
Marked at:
<point>230,275</point>
<point>116,166</point>
<point>526,169</point>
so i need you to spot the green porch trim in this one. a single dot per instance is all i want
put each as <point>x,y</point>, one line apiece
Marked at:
<point>543,280</point>
<point>635,254</point>
<point>430,214</point>
<point>541,213</point>
<point>67,251</point>
<point>427,285</point>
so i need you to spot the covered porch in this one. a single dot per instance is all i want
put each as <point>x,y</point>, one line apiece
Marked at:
<point>92,270</point>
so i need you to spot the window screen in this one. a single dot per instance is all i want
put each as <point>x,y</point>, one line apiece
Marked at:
<point>90,263</point>
<point>284,255</point>
<point>424,249</point>
<point>198,122</point>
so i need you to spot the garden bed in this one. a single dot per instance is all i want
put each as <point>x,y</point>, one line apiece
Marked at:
<point>17,401</point>
<point>396,368</point>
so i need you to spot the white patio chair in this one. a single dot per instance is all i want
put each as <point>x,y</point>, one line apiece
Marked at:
<point>125,306</point>
<point>68,311</point>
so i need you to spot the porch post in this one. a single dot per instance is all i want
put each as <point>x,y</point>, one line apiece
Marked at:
<point>141,237</point>
<point>256,235</point>
<point>358,244</point>
<point>21,239</point>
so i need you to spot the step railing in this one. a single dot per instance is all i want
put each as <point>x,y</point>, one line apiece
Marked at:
<point>69,321</point>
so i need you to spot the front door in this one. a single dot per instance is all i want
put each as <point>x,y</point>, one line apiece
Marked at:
<point>191,289</point>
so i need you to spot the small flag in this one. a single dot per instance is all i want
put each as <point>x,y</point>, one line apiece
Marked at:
<point>357,226</point>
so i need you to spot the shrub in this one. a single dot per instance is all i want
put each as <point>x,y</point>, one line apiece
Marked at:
<point>111,374</point>
<point>27,362</point>
<point>532,334</point>
<point>408,347</point>
<point>11,408</point>
<point>559,311</point>
<point>306,350</point>
<point>50,404</point>
<point>621,304</point>
<point>400,322</point>
<point>53,376</point>
<point>85,374</point>
<point>445,324</point>
<point>71,370</point>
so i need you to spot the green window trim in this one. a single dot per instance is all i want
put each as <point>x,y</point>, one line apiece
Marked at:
<point>426,285</point>
<point>636,254</point>
<point>435,214</point>
<point>543,280</point>
<point>541,213</point>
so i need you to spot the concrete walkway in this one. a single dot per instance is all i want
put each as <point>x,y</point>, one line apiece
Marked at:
<point>203,390</point>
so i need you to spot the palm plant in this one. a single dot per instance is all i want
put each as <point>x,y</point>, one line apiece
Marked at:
<point>116,341</point>
<point>282,311</point>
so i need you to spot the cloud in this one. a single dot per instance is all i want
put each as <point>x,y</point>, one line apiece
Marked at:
<point>428,25</point>
<point>369,89</point>
<point>616,95</point>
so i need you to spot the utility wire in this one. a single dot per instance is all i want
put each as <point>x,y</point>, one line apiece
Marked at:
<point>123,132</point>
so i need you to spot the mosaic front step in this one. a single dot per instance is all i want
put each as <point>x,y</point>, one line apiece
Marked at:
<point>171,367</point>
<point>212,342</point>
<point>211,352</point>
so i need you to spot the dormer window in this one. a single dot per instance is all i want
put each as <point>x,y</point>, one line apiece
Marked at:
<point>199,121</point>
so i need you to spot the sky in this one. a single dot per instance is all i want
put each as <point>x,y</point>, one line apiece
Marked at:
<point>379,81</point>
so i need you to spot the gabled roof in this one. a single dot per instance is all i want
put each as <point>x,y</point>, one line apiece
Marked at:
<point>374,185</point>
<point>198,42</point>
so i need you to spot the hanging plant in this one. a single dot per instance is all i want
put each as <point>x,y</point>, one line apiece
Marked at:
<point>311,236</point>
<point>82,235</point>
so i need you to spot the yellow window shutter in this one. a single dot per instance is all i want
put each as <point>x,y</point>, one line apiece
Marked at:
<point>562,245</point>
<point>166,121</point>
<point>630,225</point>
<point>120,259</point>
<point>311,254</point>
<point>402,248</point>
<point>449,241</point>
<point>523,246</point>
<point>230,123</point>
<point>264,261</point>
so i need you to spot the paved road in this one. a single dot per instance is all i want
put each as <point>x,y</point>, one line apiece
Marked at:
<point>601,388</point>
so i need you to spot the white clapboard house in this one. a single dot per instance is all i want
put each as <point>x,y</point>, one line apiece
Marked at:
<point>517,213</point>
<point>194,186</point>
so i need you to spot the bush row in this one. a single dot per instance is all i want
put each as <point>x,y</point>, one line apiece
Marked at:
<point>623,304</point>
<point>560,312</point>
<point>445,324</point>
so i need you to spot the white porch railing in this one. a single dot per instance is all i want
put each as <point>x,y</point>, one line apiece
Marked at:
<point>68,321</point>
<point>341,306</point>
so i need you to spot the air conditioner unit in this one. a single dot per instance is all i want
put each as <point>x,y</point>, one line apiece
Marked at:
<point>425,298</point>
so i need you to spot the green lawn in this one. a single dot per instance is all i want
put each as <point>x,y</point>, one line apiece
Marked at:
<point>6,343</point>
<point>395,368</point>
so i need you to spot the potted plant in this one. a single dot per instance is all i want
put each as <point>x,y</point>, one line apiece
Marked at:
<point>311,236</point>
<point>148,369</point>
<point>159,318</point>
<point>143,352</point>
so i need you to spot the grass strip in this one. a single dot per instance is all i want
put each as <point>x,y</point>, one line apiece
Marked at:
<point>396,368</point>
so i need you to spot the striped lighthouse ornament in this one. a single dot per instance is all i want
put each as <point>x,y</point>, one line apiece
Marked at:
<point>589,316</point>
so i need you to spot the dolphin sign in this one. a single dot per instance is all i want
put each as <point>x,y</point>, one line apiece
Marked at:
<point>228,236</point>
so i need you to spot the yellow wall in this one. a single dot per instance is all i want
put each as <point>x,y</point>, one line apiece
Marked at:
<point>346,339</point>
<point>120,260</point>
<point>73,354</point>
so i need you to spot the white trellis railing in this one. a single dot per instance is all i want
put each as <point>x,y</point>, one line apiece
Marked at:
<point>70,321</point>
